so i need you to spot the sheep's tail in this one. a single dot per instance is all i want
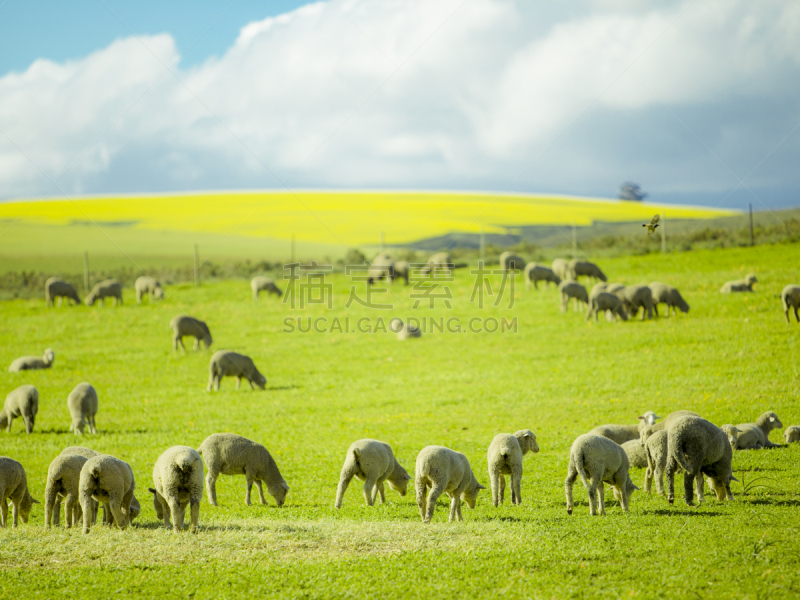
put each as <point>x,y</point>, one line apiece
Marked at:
<point>200,449</point>
<point>680,456</point>
<point>580,469</point>
<point>356,456</point>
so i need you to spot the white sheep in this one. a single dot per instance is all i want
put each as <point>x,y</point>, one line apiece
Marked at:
<point>63,483</point>
<point>82,405</point>
<point>30,363</point>
<point>651,428</point>
<point>756,435</point>
<point>504,457</point>
<point>110,288</point>
<point>178,481</point>
<point>620,434</point>
<point>663,293</point>
<point>610,304</point>
<point>637,456</point>
<point>444,471</point>
<point>535,272</point>
<point>264,284</point>
<point>740,285</point>
<point>14,486</point>
<point>372,462</point>
<point>108,480</point>
<point>792,434</point>
<point>656,456</point>
<point>80,451</point>
<point>577,268</point>
<point>86,453</point>
<point>148,285</point>
<point>596,460</point>
<point>21,402</point>
<point>183,326</point>
<point>748,438</point>
<point>232,454</point>
<point>790,298</point>
<point>511,262</point>
<point>56,288</point>
<point>226,363</point>
<point>572,289</point>
<point>560,268</point>
<point>404,330</point>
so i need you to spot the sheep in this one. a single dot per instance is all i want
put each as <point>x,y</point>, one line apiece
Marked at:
<point>746,439</point>
<point>572,289</point>
<point>14,486</point>
<point>440,261</point>
<point>232,454</point>
<point>444,471</point>
<point>511,262</point>
<point>625,433</point>
<point>382,267</point>
<point>651,428</point>
<point>637,457</point>
<point>226,363</point>
<point>57,288</point>
<point>603,461</point>
<point>264,284</point>
<point>404,330</point>
<point>792,434</point>
<point>85,453</point>
<point>667,294</point>
<point>760,431</point>
<point>576,268</point>
<point>741,285</point>
<point>698,447</point>
<point>635,297</point>
<point>32,363</point>
<point>178,481</point>
<point>790,298</point>
<point>148,285</point>
<point>82,404</point>
<point>110,288</point>
<point>656,457</point>
<point>80,451</point>
<point>607,303</point>
<point>559,267</point>
<point>504,457</point>
<point>63,481</point>
<point>401,270</point>
<point>372,462</point>
<point>108,480</point>
<point>21,402</point>
<point>535,272</point>
<point>183,325</point>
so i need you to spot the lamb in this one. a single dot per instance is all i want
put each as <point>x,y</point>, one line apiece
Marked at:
<point>656,457</point>
<point>82,404</point>
<point>264,284</point>
<point>232,454</point>
<point>108,480</point>
<point>32,363</point>
<point>577,268</point>
<point>760,431</point>
<point>790,298</point>
<point>635,297</point>
<point>189,326</point>
<point>745,440</point>
<point>625,433</point>
<point>637,456</point>
<point>14,486</point>
<point>559,267</point>
<point>404,330</point>
<point>603,461</point>
<point>535,272</point>
<point>667,294</point>
<point>57,288</point>
<point>226,363</point>
<point>178,481</point>
<point>607,303</point>
<point>147,285</point>
<point>85,453</point>
<point>110,288</point>
<point>21,402</point>
<point>373,463</point>
<point>741,285</point>
<point>505,458</point>
<point>792,434</point>
<point>63,482</point>
<point>444,471</point>
<point>698,447</point>
<point>651,428</point>
<point>572,289</point>
<point>511,262</point>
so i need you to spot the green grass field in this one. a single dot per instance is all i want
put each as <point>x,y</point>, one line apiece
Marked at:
<point>730,359</point>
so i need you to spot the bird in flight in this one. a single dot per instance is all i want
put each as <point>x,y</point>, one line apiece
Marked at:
<point>651,226</point>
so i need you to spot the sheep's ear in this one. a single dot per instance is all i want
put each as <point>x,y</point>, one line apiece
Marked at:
<point>733,478</point>
<point>771,419</point>
<point>35,501</point>
<point>285,485</point>
<point>481,487</point>
<point>151,490</point>
<point>640,417</point>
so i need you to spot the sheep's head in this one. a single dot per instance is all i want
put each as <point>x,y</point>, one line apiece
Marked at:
<point>751,279</point>
<point>399,480</point>
<point>790,435</point>
<point>527,440</point>
<point>279,491</point>
<point>470,495</point>
<point>649,418</point>
<point>260,380</point>
<point>49,356</point>
<point>26,505</point>
<point>645,433</point>
<point>78,425</point>
<point>3,419</point>
<point>135,509</point>
<point>207,340</point>
<point>396,324</point>
<point>732,433</point>
<point>91,299</point>
<point>159,291</point>
<point>156,504</point>
<point>769,420</point>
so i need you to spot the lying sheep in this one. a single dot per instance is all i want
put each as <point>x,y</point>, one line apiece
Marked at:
<point>596,460</point>
<point>656,457</point>
<point>535,272</point>
<point>756,435</point>
<point>620,434</point>
<point>505,458</point>
<point>651,428</point>
<point>572,289</point>
<point>82,404</point>
<point>110,288</point>
<point>510,261</point>
<point>372,462</point>
<point>232,454</point>
<point>183,326</point>
<point>404,330</point>
<point>57,288</point>
<point>63,482</point>
<point>637,456</point>
<point>178,481</point>
<point>635,297</point>
<point>560,268</point>
<point>14,486</point>
<point>444,471</point>
<point>699,448</point>
<point>741,285</point>
<point>607,303</point>
<point>147,285</point>
<point>21,402</point>
<point>264,284</point>
<point>578,268</point>
<point>226,363</point>
<point>748,439</point>
<point>790,298</point>
<point>663,293</point>
<point>792,434</point>
<point>32,363</point>
<point>108,480</point>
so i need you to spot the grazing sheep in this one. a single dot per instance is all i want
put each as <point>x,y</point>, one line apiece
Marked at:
<point>510,261</point>
<point>14,486</point>
<point>792,434</point>
<point>404,330</point>
<point>401,270</point>
<point>760,431</point>
<point>183,326</point>
<point>108,480</point>
<point>656,457</point>
<point>651,428</point>
<point>607,303</point>
<point>748,438</point>
<point>699,448</point>
<point>535,272</point>
<point>264,284</point>
<point>440,261</point>
<point>178,481</point>
<point>444,471</point>
<point>226,363</point>
<point>110,288</point>
<point>373,463</point>
<point>148,285</point>
<point>572,289</point>
<point>80,451</point>
<point>603,461</point>
<point>635,297</point>
<point>790,298</point>
<point>57,288</point>
<point>505,458</point>
<point>382,267</point>
<point>637,456</point>
<point>620,434</point>
<point>667,294</point>
<point>577,268</point>
<point>614,288</point>
<point>63,481</point>
<point>32,363</point>
<point>232,454</point>
<point>82,404</point>
<point>741,285</point>
<point>21,402</point>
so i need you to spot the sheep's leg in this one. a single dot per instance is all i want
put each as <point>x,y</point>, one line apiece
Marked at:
<point>60,301</point>
<point>165,511</point>
<point>670,472</point>
<point>50,496</point>
<point>261,492</point>
<point>176,512</point>
<point>601,497</point>
<point>502,488</point>
<point>71,508</point>
<point>250,481</point>
<point>648,478</point>
<point>382,493</point>
<point>572,475</point>
<point>195,513</point>
<point>422,497</point>
<point>344,480</point>
<point>217,380</point>
<point>196,343</point>
<point>494,482</point>
<point>115,505</point>
<point>239,382</point>
<point>433,496</point>
<point>370,490</point>
<point>688,491</point>
<point>796,316</point>
<point>516,484</point>
<point>3,511</point>
<point>455,508</point>
<point>211,485</point>
<point>88,514</point>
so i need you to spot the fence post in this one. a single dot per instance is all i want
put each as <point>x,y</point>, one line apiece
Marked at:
<point>86,271</point>
<point>196,266</point>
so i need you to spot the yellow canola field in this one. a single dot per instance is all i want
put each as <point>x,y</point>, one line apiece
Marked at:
<point>348,218</point>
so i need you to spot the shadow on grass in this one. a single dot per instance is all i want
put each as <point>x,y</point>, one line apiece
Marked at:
<point>763,501</point>
<point>678,512</point>
<point>279,388</point>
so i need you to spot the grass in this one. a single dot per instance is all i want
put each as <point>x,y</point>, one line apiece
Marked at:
<point>731,358</point>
